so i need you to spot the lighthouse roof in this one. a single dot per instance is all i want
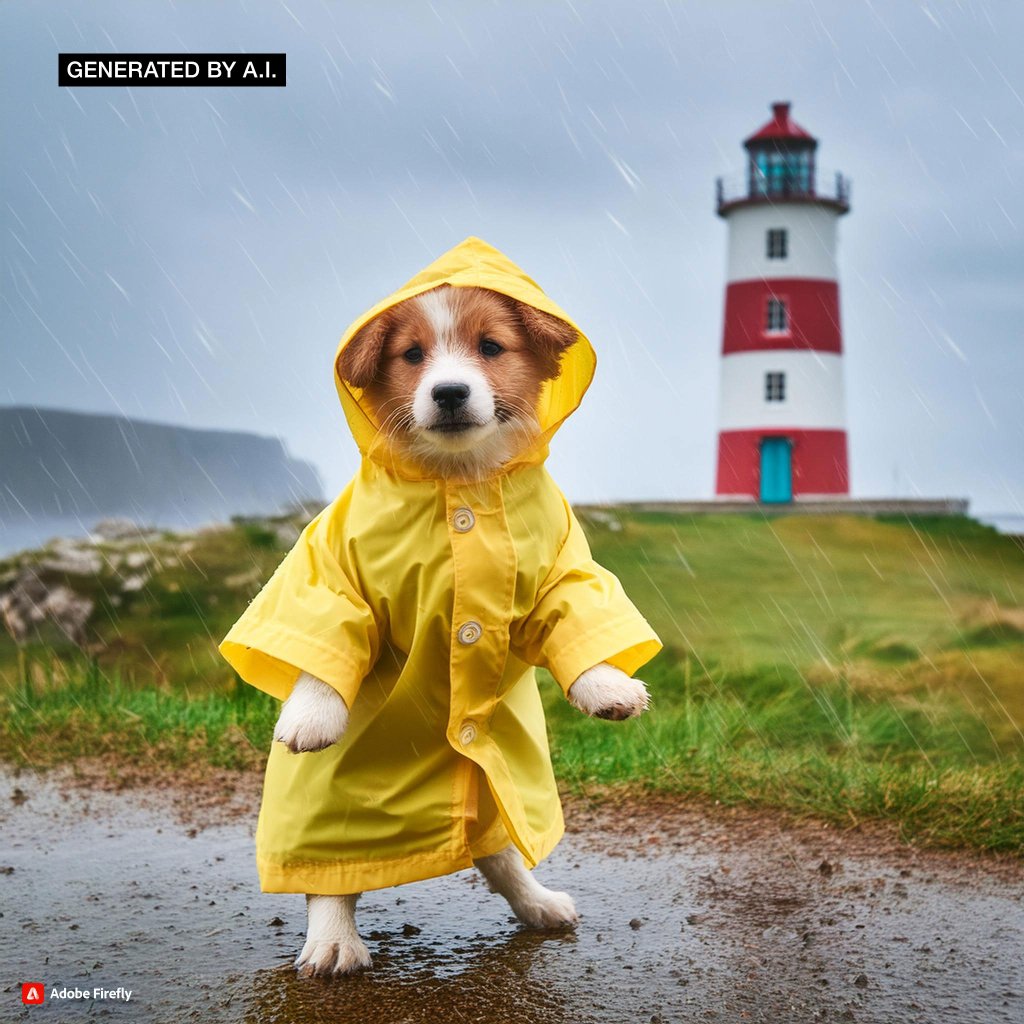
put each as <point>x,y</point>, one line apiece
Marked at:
<point>782,129</point>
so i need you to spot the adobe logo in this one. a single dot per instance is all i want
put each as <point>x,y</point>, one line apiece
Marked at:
<point>33,993</point>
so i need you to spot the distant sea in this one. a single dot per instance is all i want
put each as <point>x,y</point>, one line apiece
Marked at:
<point>1004,522</point>
<point>26,534</point>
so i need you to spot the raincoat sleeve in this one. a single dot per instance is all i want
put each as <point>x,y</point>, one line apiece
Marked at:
<point>582,617</point>
<point>309,617</point>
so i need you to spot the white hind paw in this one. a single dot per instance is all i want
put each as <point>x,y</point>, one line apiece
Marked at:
<point>546,909</point>
<point>320,958</point>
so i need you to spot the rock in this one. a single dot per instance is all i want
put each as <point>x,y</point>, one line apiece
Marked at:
<point>73,561</point>
<point>275,922</point>
<point>636,924</point>
<point>70,612</point>
<point>132,584</point>
<point>31,601</point>
<point>861,981</point>
<point>119,528</point>
<point>244,579</point>
<point>409,930</point>
<point>287,534</point>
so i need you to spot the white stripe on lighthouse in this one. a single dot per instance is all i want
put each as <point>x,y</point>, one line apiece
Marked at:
<point>813,391</point>
<point>810,241</point>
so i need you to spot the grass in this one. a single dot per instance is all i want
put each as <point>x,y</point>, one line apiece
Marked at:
<point>897,604</point>
<point>769,738</point>
<point>73,709</point>
<point>847,668</point>
<point>926,761</point>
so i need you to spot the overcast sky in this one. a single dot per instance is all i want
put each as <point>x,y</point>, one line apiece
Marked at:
<point>193,255</point>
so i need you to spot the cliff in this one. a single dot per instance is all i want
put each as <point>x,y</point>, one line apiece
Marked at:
<point>59,464</point>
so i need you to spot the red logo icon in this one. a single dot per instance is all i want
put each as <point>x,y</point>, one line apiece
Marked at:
<point>33,993</point>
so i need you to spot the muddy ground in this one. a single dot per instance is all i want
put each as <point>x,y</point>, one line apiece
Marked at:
<point>690,912</point>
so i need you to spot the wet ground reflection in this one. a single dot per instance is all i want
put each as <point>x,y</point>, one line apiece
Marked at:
<point>696,926</point>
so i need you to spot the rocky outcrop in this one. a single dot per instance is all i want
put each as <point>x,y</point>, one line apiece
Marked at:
<point>58,585</point>
<point>73,589</point>
<point>31,601</point>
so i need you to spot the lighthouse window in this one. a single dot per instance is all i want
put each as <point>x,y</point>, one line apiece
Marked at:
<point>778,322</point>
<point>781,173</point>
<point>777,243</point>
<point>774,386</point>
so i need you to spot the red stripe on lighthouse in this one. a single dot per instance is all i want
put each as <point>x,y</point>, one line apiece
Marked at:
<point>812,315</point>
<point>819,464</point>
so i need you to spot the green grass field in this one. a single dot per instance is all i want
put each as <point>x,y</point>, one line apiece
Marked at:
<point>845,667</point>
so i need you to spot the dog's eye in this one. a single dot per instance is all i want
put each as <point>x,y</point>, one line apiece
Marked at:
<point>413,355</point>
<point>490,348</point>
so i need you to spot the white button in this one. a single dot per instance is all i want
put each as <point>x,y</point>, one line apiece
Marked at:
<point>467,733</point>
<point>463,520</point>
<point>470,632</point>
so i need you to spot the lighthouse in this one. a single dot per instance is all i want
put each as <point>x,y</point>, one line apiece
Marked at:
<point>782,420</point>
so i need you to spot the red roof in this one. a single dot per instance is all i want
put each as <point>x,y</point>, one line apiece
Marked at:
<point>780,127</point>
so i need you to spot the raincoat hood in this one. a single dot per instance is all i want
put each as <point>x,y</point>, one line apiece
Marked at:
<point>474,263</point>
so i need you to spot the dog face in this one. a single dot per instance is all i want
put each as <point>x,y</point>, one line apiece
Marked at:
<point>453,375</point>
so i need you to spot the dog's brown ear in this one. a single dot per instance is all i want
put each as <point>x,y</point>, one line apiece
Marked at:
<point>549,336</point>
<point>359,361</point>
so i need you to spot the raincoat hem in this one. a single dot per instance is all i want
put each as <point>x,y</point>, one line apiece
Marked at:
<point>494,838</point>
<point>342,878</point>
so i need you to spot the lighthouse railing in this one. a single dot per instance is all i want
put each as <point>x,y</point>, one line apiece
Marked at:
<point>823,186</point>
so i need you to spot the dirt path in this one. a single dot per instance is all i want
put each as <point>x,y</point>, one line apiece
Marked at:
<point>690,913</point>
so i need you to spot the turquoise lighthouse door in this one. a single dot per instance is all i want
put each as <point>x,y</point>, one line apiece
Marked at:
<point>776,471</point>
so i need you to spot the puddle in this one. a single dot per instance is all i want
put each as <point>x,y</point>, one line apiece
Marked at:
<point>109,891</point>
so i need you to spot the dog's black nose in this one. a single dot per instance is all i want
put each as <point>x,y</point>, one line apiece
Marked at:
<point>450,396</point>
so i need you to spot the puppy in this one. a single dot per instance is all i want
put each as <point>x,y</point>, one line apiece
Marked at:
<point>453,381</point>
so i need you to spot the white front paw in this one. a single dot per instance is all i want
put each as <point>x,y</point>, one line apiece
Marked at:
<point>312,718</point>
<point>607,692</point>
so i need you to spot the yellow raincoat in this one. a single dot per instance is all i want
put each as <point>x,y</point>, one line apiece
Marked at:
<point>426,602</point>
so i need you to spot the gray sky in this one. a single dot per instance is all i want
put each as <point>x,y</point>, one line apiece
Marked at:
<point>193,255</point>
